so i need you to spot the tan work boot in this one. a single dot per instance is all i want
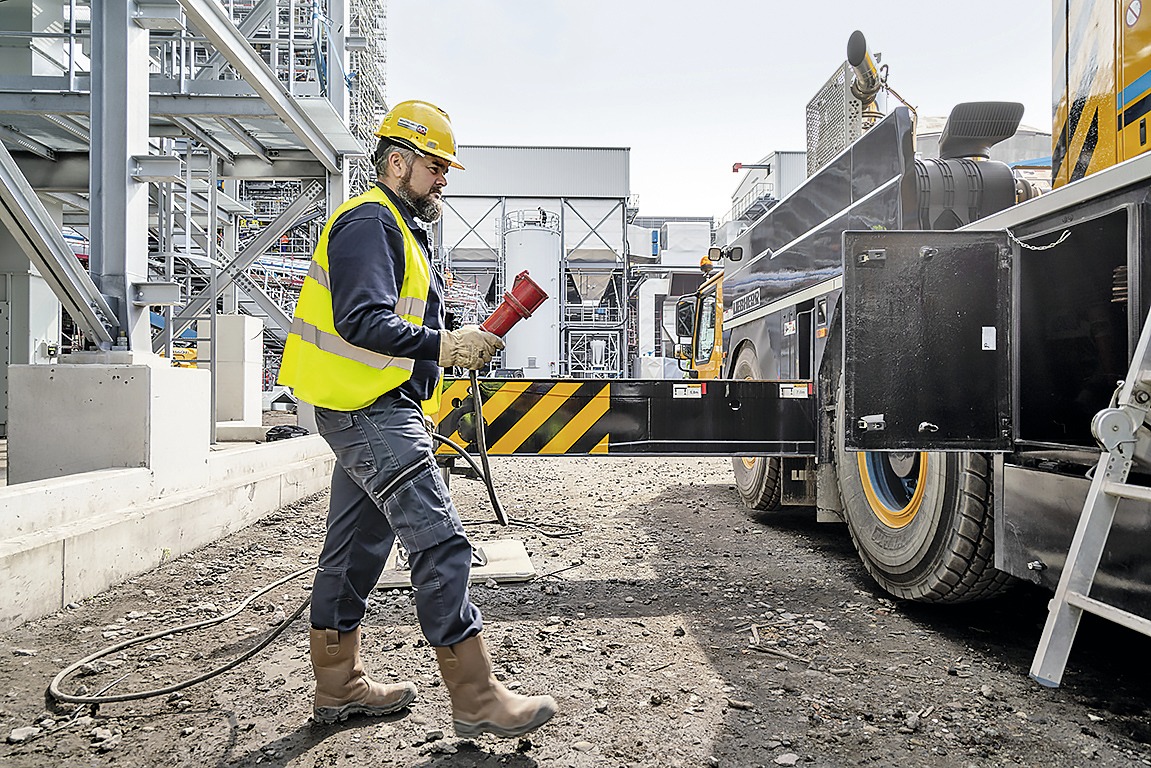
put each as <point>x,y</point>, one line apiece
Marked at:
<point>480,703</point>
<point>342,687</point>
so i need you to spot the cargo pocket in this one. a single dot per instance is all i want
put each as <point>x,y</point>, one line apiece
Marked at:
<point>345,435</point>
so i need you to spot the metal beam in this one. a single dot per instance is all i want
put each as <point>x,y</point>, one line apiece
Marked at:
<point>212,21</point>
<point>38,236</point>
<point>193,131</point>
<point>252,251</point>
<point>10,134</point>
<point>76,103</point>
<point>119,238</point>
<point>69,173</point>
<point>241,135</point>
<point>248,27</point>
<point>281,323</point>
<point>69,125</point>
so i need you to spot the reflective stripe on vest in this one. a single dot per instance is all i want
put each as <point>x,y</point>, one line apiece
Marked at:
<point>325,369</point>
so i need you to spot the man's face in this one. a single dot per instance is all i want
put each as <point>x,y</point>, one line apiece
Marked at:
<point>421,186</point>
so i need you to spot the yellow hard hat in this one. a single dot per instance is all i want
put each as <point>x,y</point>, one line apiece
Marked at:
<point>422,126</point>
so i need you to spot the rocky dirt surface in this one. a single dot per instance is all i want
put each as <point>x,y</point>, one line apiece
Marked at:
<point>673,630</point>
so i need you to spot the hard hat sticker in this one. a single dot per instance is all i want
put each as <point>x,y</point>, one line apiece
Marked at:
<point>412,125</point>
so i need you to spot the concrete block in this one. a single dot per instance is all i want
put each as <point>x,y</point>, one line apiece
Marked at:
<point>239,339</point>
<point>38,506</point>
<point>238,392</point>
<point>68,419</point>
<point>240,432</point>
<point>179,428</point>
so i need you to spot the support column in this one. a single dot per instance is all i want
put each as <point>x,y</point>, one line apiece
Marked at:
<point>119,132</point>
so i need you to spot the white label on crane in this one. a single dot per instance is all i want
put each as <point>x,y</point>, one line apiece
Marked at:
<point>1133,12</point>
<point>988,337</point>
<point>688,391</point>
<point>793,391</point>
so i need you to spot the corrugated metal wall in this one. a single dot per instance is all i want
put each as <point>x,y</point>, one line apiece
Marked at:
<point>541,172</point>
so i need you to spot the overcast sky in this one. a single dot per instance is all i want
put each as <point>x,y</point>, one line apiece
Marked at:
<point>693,87</point>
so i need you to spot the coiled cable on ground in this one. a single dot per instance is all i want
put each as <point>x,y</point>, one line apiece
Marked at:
<point>54,687</point>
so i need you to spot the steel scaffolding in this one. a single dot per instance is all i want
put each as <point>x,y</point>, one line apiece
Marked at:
<point>225,115</point>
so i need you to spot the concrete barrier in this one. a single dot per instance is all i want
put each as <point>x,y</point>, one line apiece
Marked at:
<point>78,535</point>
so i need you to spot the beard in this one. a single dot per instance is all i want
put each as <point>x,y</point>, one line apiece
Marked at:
<point>427,207</point>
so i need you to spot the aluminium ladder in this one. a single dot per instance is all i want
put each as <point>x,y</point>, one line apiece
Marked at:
<point>1125,438</point>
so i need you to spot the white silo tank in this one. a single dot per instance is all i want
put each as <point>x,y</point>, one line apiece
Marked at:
<point>532,242</point>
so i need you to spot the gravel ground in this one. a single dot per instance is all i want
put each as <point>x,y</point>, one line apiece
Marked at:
<point>672,630</point>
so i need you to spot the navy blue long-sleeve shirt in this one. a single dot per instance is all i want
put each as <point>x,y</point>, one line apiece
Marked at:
<point>366,270</point>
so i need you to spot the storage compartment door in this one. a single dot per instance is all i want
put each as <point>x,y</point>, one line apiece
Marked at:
<point>927,340</point>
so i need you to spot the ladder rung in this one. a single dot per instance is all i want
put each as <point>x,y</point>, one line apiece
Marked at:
<point>1109,612</point>
<point>1128,491</point>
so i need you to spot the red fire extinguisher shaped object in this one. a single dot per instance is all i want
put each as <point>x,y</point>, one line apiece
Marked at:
<point>524,298</point>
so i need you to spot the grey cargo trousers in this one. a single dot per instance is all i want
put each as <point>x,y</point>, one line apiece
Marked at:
<point>386,485</point>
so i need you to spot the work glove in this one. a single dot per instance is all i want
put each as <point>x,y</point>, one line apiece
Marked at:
<point>470,347</point>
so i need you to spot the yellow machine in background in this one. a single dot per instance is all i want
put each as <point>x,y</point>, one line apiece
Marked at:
<point>1101,77</point>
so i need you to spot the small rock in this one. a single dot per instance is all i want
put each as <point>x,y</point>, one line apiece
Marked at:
<point>712,761</point>
<point>656,699</point>
<point>787,758</point>
<point>739,704</point>
<point>107,745</point>
<point>601,707</point>
<point>583,746</point>
<point>434,735</point>
<point>187,731</point>
<point>23,652</point>
<point>679,632</point>
<point>22,734</point>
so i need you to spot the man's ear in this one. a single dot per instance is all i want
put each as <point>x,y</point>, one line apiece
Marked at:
<point>396,163</point>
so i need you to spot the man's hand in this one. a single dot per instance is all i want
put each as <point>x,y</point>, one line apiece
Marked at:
<point>470,347</point>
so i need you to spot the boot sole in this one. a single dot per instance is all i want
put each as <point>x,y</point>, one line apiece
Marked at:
<point>471,730</point>
<point>330,715</point>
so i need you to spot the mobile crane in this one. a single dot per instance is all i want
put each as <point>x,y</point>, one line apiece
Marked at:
<point>954,367</point>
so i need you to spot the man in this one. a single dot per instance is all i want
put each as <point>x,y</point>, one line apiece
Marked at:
<point>366,348</point>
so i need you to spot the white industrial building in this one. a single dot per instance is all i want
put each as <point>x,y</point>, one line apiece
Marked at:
<point>561,213</point>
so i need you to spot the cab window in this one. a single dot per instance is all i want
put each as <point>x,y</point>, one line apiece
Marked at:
<point>705,341</point>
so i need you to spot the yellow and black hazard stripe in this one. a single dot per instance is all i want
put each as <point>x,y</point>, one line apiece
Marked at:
<point>629,417</point>
<point>530,417</point>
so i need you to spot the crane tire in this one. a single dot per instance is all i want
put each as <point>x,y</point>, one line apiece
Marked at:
<point>921,522</point>
<point>756,477</point>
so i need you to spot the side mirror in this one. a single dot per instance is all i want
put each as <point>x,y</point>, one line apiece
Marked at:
<point>685,318</point>
<point>735,253</point>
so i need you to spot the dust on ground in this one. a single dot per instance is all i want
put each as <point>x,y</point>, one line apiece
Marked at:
<point>672,629</point>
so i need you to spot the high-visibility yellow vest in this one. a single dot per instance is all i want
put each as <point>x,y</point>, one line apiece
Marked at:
<point>324,369</point>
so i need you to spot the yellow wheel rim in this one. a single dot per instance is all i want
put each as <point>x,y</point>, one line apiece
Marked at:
<point>881,499</point>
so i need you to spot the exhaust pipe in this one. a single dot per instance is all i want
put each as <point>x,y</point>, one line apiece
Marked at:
<point>866,84</point>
